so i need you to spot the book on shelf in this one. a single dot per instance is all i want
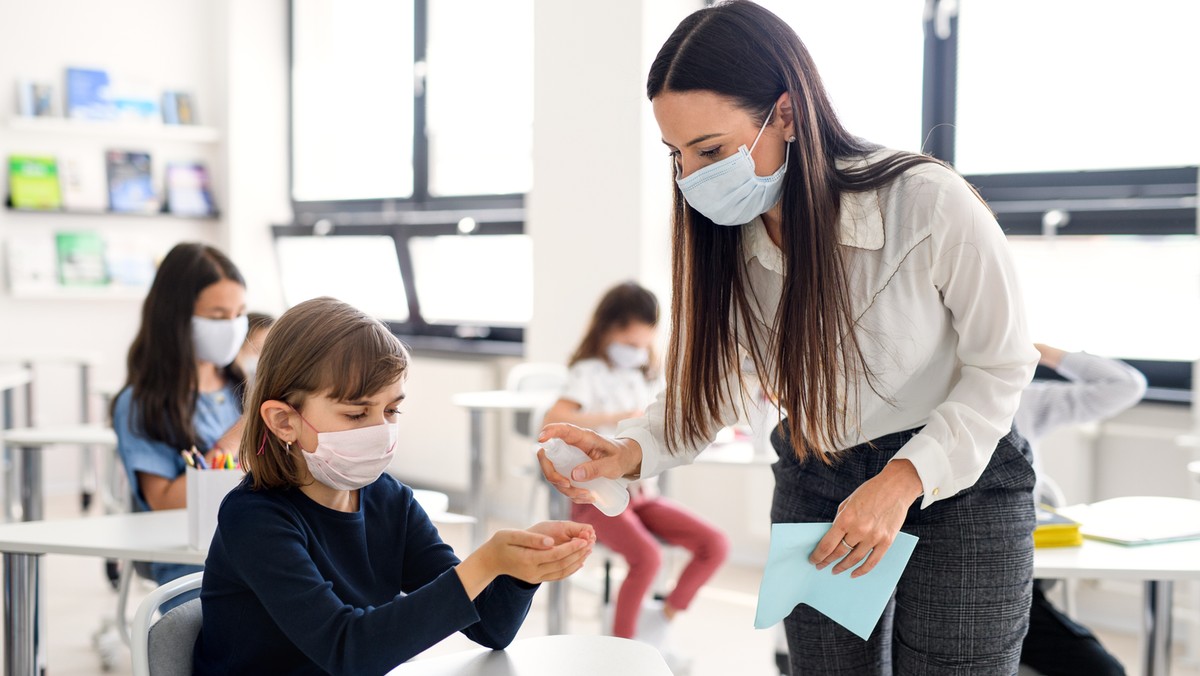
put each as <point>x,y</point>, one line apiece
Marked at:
<point>81,259</point>
<point>88,94</point>
<point>81,177</point>
<point>33,183</point>
<point>188,192</point>
<point>1055,530</point>
<point>177,108</point>
<point>130,188</point>
<point>35,99</point>
<point>31,263</point>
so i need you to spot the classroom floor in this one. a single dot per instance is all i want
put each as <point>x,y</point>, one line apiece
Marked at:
<point>716,632</point>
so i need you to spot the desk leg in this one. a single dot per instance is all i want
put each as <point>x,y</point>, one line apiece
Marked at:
<point>10,471</point>
<point>31,484</point>
<point>475,499</point>
<point>556,615</point>
<point>87,455</point>
<point>1156,622</point>
<point>20,614</point>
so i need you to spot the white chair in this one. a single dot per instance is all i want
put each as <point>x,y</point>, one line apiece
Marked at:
<point>164,648</point>
<point>546,377</point>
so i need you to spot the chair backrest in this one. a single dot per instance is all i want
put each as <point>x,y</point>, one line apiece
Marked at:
<point>164,648</point>
<point>534,377</point>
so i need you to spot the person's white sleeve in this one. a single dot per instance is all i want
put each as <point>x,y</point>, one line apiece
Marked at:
<point>650,432</point>
<point>1099,388</point>
<point>973,271</point>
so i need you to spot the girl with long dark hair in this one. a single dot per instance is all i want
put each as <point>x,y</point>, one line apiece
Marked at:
<point>183,388</point>
<point>873,293</point>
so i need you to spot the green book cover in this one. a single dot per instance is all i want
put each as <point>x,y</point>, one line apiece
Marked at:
<point>81,259</point>
<point>33,183</point>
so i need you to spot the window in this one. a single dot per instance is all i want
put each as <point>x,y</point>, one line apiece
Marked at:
<point>1076,84</point>
<point>462,287</point>
<point>360,270</point>
<point>479,97</point>
<point>474,281</point>
<point>870,68</point>
<point>401,105</point>
<point>352,110</point>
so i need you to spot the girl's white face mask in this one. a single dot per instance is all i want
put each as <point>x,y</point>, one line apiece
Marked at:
<point>218,340</point>
<point>729,192</point>
<point>351,459</point>
<point>625,356</point>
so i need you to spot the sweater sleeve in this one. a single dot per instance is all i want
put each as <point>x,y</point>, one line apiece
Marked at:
<point>270,552</point>
<point>500,608</point>
<point>1097,388</point>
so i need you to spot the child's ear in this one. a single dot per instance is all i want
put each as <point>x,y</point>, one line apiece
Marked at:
<point>277,415</point>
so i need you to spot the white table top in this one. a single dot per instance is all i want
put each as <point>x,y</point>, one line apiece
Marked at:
<point>1096,559</point>
<point>146,536</point>
<point>13,377</point>
<point>81,357</point>
<point>547,656</point>
<point>504,400</point>
<point>85,435</point>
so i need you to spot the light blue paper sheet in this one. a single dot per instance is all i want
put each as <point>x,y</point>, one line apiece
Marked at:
<point>854,603</point>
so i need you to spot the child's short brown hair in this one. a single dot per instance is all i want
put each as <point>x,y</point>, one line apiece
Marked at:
<point>320,346</point>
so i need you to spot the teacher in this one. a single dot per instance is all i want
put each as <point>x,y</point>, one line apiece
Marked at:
<point>874,294</point>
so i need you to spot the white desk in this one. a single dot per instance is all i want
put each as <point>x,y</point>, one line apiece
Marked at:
<point>1156,566</point>
<point>31,441</point>
<point>151,536</point>
<point>547,656</point>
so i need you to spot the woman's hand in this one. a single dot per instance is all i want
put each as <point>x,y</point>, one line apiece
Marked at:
<point>526,555</point>
<point>868,521</point>
<point>611,458</point>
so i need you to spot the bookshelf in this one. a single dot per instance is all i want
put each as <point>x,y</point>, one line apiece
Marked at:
<point>108,213</point>
<point>115,131</point>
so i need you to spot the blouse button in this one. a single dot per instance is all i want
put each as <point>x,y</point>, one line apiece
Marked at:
<point>936,491</point>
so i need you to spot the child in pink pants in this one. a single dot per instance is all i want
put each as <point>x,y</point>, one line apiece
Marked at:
<point>614,376</point>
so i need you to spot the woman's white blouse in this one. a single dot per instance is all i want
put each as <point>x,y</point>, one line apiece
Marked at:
<point>940,322</point>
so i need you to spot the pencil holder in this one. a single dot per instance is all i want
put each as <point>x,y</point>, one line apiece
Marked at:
<point>206,488</point>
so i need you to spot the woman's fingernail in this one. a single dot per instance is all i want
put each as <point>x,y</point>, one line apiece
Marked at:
<point>578,474</point>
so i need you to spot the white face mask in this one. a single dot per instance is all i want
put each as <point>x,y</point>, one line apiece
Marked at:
<point>730,192</point>
<point>218,340</point>
<point>351,459</point>
<point>625,356</point>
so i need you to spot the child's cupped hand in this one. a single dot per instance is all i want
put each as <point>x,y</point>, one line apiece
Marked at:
<point>546,552</point>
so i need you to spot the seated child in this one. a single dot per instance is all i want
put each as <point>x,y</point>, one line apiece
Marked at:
<point>183,389</point>
<point>613,377</point>
<point>321,562</point>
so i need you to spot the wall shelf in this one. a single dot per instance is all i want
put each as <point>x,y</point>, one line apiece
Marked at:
<point>131,131</point>
<point>105,213</point>
<point>79,293</point>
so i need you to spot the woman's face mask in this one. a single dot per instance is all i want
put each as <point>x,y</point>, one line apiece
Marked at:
<point>729,192</point>
<point>218,340</point>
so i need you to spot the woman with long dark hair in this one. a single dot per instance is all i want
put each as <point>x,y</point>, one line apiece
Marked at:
<point>874,294</point>
<point>183,388</point>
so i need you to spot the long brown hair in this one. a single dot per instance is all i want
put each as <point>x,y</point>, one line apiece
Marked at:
<point>744,52</point>
<point>320,346</point>
<point>624,303</point>
<point>161,365</point>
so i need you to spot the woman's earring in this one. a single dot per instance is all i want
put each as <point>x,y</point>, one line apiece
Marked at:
<point>792,138</point>
<point>288,444</point>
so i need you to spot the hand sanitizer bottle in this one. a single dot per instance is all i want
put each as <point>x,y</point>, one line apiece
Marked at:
<point>609,495</point>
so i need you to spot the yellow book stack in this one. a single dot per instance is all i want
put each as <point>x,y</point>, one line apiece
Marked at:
<point>1055,530</point>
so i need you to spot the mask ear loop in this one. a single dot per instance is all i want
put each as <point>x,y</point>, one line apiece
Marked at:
<point>762,129</point>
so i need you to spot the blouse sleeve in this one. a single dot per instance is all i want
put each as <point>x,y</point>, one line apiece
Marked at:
<point>974,274</point>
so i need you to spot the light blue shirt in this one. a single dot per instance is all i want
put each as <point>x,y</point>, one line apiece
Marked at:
<point>215,413</point>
